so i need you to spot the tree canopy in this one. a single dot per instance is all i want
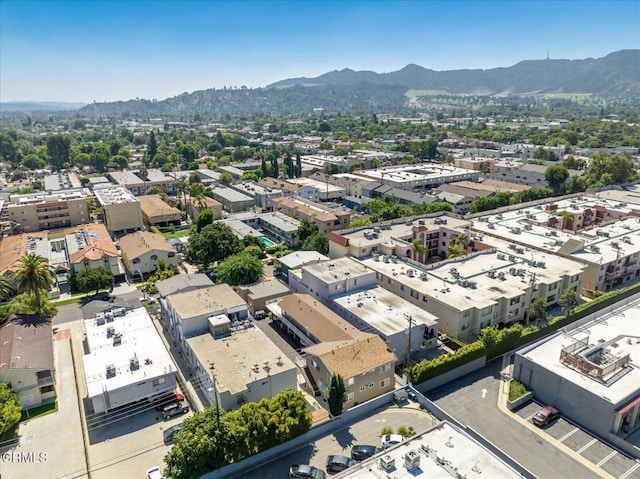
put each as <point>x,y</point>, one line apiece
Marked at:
<point>33,277</point>
<point>214,242</point>
<point>10,408</point>
<point>336,395</point>
<point>556,176</point>
<point>90,279</point>
<point>316,242</point>
<point>243,268</point>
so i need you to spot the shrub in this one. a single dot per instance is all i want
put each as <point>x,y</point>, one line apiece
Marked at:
<point>516,390</point>
<point>428,369</point>
<point>386,430</point>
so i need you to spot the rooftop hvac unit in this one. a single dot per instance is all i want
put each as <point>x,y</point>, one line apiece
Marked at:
<point>385,258</point>
<point>387,463</point>
<point>111,371</point>
<point>626,239</point>
<point>376,257</point>
<point>134,364</point>
<point>117,339</point>
<point>100,319</point>
<point>411,460</point>
<point>410,273</point>
<point>491,226</point>
<point>423,276</point>
<point>520,250</point>
<point>110,331</point>
<point>615,244</point>
<point>502,276</point>
<point>558,242</point>
<point>512,246</point>
<point>501,256</point>
<point>512,258</point>
<point>512,271</point>
<point>528,227</point>
<point>491,274</point>
<point>542,264</point>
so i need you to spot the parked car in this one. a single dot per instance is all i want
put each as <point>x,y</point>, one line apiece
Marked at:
<point>389,440</point>
<point>174,409</point>
<point>154,473</point>
<point>159,402</point>
<point>169,434</point>
<point>360,452</point>
<point>336,463</point>
<point>545,415</point>
<point>305,471</point>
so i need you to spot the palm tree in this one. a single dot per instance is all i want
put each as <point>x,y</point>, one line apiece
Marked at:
<point>34,275</point>
<point>7,287</point>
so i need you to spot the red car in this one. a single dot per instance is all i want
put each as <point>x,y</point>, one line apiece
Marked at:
<point>160,402</point>
<point>545,415</point>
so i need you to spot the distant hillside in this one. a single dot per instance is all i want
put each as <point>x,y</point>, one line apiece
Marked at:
<point>365,91</point>
<point>27,106</point>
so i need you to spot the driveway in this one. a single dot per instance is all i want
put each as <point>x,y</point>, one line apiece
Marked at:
<point>473,399</point>
<point>364,431</point>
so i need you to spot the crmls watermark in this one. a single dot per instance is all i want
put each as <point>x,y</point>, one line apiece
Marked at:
<point>24,457</point>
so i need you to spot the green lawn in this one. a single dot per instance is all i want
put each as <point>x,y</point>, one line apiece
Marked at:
<point>38,411</point>
<point>176,234</point>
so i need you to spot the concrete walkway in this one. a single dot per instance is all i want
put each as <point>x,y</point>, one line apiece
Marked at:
<point>503,397</point>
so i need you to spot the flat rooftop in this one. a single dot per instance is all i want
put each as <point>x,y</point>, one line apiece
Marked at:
<point>230,194</point>
<point>456,450</point>
<point>323,187</point>
<point>595,244</point>
<point>301,258</point>
<point>618,332</point>
<point>252,188</point>
<point>113,196</point>
<point>235,358</point>
<point>279,221</point>
<point>220,297</point>
<point>384,310</point>
<point>337,270</point>
<point>420,172</point>
<point>140,340</point>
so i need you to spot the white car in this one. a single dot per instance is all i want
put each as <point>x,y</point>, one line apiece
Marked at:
<point>154,473</point>
<point>389,440</point>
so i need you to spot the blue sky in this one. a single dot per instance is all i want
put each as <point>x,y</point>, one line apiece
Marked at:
<point>118,50</point>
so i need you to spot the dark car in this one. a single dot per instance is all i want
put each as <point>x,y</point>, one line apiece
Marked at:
<point>363,451</point>
<point>169,434</point>
<point>174,409</point>
<point>160,402</point>
<point>545,415</point>
<point>304,471</point>
<point>337,463</point>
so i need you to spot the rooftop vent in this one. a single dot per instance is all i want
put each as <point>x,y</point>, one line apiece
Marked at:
<point>111,371</point>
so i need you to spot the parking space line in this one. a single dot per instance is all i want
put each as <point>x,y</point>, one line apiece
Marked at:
<point>567,435</point>
<point>630,471</point>
<point>587,445</point>
<point>613,453</point>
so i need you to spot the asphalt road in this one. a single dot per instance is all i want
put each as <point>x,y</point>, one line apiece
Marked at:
<point>472,400</point>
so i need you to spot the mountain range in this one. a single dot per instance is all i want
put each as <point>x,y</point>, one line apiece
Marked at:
<point>617,74</point>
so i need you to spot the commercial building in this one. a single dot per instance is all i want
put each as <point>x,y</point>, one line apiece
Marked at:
<point>48,210</point>
<point>235,365</point>
<point>61,181</point>
<point>443,451</point>
<point>351,183</point>
<point>325,218</point>
<point>26,359</point>
<point>590,371</point>
<point>366,364</point>
<point>127,361</point>
<point>477,163</point>
<point>257,295</point>
<point>121,210</point>
<point>603,235</point>
<point>156,212</point>
<point>231,199</point>
<point>420,175</point>
<point>187,312</point>
<point>142,252</point>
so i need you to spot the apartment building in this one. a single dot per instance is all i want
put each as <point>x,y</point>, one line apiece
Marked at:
<point>142,252</point>
<point>122,212</point>
<point>48,210</point>
<point>325,218</point>
<point>155,212</point>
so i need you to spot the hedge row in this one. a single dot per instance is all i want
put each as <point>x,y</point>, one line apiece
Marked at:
<point>429,369</point>
<point>494,342</point>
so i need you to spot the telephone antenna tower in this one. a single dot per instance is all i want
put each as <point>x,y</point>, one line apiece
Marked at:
<point>548,58</point>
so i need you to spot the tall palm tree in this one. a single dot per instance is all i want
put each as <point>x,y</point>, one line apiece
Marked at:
<point>7,287</point>
<point>34,275</point>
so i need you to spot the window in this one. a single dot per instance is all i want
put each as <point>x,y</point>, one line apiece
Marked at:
<point>385,368</point>
<point>486,311</point>
<point>349,397</point>
<point>464,326</point>
<point>551,298</point>
<point>158,381</point>
<point>414,294</point>
<point>553,286</point>
<point>46,389</point>
<point>389,281</point>
<point>154,257</point>
<point>425,299</point>
<point>466,313</point>
<point>349,382</point>
<point>384,383</point>
<point>136,260</point>
<point>514,301</point>
<point>402,287</point>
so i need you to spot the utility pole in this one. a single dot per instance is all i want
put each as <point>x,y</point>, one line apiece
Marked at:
<point>215,392</point>
<point>532,283</point>
<point>409,318</point>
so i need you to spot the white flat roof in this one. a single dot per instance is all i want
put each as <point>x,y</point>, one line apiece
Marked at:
<point>140,340</point>
<point>457,450</point>
<point>423,171</point>
<point>510,225</point>
<point>384,310</point>
<point>322,186</point>
<point>621,328</point>
<point>114,195</point>
<point>235,357</point>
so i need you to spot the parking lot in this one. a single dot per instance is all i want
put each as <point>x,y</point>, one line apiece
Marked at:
<point>605,457</point>
<point>364,431</point>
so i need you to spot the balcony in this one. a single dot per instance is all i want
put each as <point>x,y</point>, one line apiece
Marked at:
<point>45,381</point>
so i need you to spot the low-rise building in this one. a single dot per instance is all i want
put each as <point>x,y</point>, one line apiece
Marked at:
<point>195,208</point>
<point>590,371</point>
<point>127,360</point>
<point>297,260</point>
<point>142,252</point>
<point>121,210</point>
<point>156,212</point>
<point>326,219</point>
<point>232,200</point>
<point>13,248</point>
<point>140,184</point>
<point>262,195</point>
<point>308,192</point>
<point>26,359</point>
<point>327,191</point>
<point>257,295</point>
<point>48,210</point>
<point>238,365</point>
<point>365,363</point>
<point>421,175</point>
<point>86,246</point>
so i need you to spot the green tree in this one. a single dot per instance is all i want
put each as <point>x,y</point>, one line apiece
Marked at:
<point>538,310</point>
<point>359,222</point>
<point>263,167</point>
<point>203,219</point>
<point>316,242</point>
<point>336,395</point>
<point>213,243</point>
<point>10,408</point>
<point>226,178</point>
<point>556,176</point>
<point>90,279</point>
<point>306,229</point>
<point>33,277</point>
<point>152,145</point>
<point>298,165</point>
<point>7,287</point>
<point>58,149</point>
<point>568,300</point>
<point>243,268</point>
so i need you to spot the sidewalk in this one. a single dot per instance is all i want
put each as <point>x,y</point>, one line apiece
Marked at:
<point>503,397</point>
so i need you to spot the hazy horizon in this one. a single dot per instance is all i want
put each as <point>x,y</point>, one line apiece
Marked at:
<point>81,52</point>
